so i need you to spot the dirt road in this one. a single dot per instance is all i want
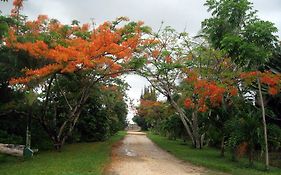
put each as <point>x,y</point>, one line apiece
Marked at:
<point>137,155</point>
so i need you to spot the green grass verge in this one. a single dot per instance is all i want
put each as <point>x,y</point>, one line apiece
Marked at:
<point>210,158</point>
<point>74,159</point>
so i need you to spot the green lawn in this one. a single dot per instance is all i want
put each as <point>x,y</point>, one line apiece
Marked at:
<point>75,159</point>
<point>210,158</point>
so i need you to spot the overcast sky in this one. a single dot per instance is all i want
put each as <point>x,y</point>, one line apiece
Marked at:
<point>180,14</point>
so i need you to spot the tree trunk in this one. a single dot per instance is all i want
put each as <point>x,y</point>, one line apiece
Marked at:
<point>60,134</point>
<point>202,140</point>
<point>182,117</point>
<point>58,145</point>
<point>59,137</point>
<point>234,154</point>
<point>251,155</point>
<point>71,127</point>
<point>222,147</point>
<point>195,130</point>
<point>264,127</point>
<point>28,129</point>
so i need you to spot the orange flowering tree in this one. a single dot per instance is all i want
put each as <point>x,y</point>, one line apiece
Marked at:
<point>92,55</point>
<point>266,82</point>
<point>207,93</point>
<point>69,49</point>
<point>208,88</point>
<point>270,81</point>
<point>150,112</point>
<point>164,56</point>
<point>148,104</point>
<point>246,39</point>
<point>149,108</point>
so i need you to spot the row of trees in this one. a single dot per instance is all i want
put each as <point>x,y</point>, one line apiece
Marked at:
<point>219,83</point>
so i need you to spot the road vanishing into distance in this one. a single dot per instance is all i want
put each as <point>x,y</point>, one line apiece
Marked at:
<point>138,155</point>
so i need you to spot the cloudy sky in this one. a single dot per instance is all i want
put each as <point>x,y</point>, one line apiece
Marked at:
<point>180,14</point>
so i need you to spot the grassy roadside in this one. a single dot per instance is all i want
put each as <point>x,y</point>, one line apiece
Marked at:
<point>75,159</point>
<point>209,158</point>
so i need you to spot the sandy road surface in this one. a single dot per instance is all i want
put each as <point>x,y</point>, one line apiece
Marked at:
<point>137,155</point>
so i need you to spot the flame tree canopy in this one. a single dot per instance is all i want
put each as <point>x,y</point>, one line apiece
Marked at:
<point>104,50</point>
<point>94,55</point>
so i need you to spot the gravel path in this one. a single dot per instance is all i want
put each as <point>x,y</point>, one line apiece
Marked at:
<point>137,155</point>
